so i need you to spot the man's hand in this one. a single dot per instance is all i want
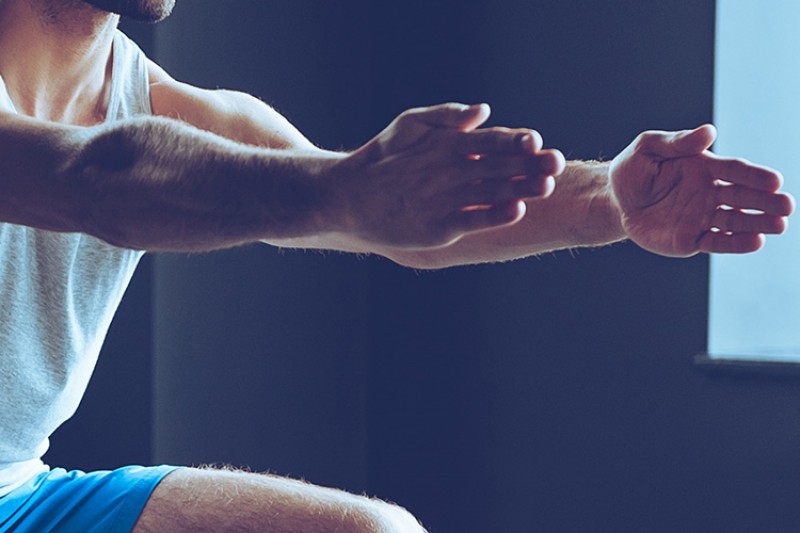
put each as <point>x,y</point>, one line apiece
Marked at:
<point>677,199</point>
<point>432,177</point>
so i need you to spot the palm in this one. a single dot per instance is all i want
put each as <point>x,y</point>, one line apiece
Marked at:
<point>678,199</point>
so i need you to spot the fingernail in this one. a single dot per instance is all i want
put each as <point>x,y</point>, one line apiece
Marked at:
<point>526,141</point>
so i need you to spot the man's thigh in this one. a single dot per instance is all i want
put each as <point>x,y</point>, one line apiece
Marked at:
<point>199,500</point>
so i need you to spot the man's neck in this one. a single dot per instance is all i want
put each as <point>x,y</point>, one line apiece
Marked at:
<point>55,58</point>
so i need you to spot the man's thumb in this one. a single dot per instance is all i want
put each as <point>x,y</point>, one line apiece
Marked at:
<point>672,144</point>
<point>693,142</point>
<point>453,115</point>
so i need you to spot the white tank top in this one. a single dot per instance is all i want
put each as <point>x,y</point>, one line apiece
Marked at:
<point>58,293</point>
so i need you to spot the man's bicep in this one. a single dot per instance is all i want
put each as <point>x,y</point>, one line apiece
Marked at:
<point>231,114</point>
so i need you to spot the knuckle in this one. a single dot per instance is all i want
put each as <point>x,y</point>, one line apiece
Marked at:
<point>734,164</point>
<point>649,140</point>
<point>403,117</point>
<point>410,114</point>
<point>452,106</point>
<point>643,140</point>
<point>738,165</point>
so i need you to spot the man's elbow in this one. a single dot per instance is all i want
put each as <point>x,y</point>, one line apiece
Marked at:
<point>108,179</point>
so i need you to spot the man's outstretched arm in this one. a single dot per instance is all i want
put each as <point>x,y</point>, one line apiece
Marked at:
<point>159,184</point>
<point>666,192</point>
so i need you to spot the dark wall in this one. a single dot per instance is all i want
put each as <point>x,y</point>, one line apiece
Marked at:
<point>555,393</point>
<point>547,394</point>
<point>261,355</point>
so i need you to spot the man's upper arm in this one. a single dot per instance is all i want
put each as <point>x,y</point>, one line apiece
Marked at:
<point>242,118</point>
<point>231,114</point>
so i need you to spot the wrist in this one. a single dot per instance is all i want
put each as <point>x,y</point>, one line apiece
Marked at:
<point>332,172</point>
<point>602,223</point>
<point>349,191</point>
<point>300,196</point>
<point>608,209</point>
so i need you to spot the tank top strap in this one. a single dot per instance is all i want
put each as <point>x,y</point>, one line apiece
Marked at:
<point>130,83</point>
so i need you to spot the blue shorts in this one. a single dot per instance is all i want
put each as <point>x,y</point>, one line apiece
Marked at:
<point>76,502</point>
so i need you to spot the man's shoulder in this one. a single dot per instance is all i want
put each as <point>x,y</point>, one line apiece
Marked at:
<point>232,114</point>
<point>204,108</point>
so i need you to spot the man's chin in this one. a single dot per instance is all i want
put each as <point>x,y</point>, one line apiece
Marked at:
<point>141,10</point>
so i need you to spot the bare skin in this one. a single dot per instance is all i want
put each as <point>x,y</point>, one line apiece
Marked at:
<point>593,204</point>
<point>201,500</point>
<point>447,206</point>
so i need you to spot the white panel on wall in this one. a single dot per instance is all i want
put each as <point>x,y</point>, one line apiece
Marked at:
<point>755,299</point>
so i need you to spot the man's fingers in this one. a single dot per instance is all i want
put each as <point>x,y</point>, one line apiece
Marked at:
<point>484,217</point>
<point>735,221</point>
<point>489,192</point>
<point>498,141</point>
<point>544,163</point>
<point>741,197</point>
<point>743,172</point>
<point>724,243</point>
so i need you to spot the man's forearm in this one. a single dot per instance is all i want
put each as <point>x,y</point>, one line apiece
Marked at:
<point>580,212</point>
<point>667,198</point>
<point>159,185</point>
<point>201,192</point>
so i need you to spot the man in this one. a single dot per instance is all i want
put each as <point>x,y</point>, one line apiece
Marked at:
<point>89,180</point>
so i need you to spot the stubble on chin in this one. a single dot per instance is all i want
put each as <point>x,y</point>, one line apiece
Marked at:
<point>141,10</point>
